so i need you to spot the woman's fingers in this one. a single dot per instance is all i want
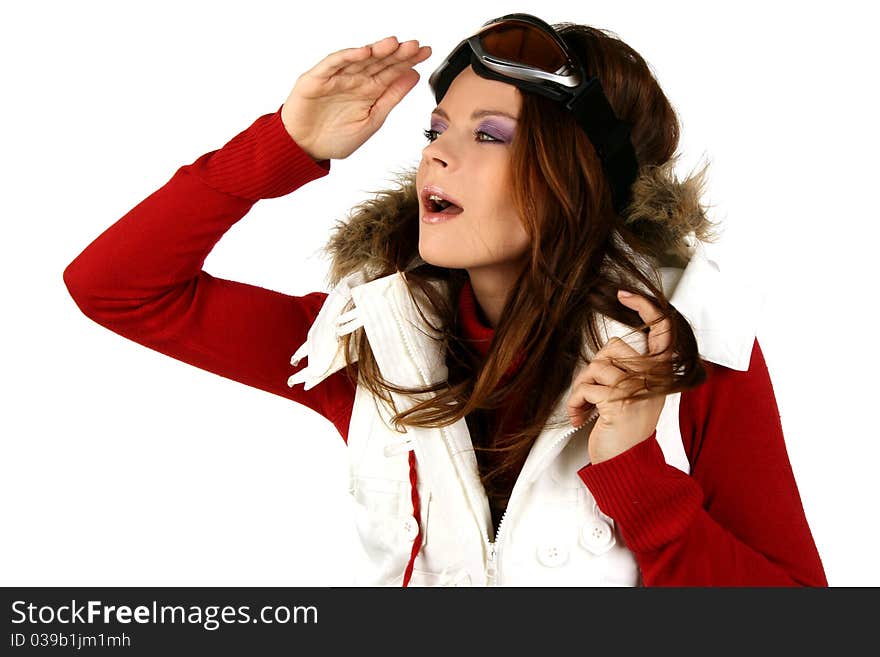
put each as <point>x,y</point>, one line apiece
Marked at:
<point>378,51</point>
<point>659,330</point>
<point>355,58</point>
<point>600,380</point>
<point>388,76</point>
<point>401,54</point>
<point>390,69</point>
<point>601,369</point>
<point>332,63</point>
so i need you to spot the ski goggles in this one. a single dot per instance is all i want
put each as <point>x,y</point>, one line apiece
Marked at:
<point>522,50</point>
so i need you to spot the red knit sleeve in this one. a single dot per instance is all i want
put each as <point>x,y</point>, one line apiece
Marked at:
<point>142,277</point>
<point>737,519</point>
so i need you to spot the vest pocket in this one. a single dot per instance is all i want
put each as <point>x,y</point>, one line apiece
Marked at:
<point>386,525</point>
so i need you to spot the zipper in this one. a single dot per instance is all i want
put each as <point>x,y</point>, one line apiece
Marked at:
<point>491,565</point>
<point>494,548</point>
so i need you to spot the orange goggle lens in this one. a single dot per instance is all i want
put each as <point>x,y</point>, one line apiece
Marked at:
<point>524,44</point>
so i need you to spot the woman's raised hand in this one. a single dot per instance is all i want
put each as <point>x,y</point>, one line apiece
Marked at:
<point>344,99</point>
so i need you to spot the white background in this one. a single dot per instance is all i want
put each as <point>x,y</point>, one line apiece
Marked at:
<point>121,466</point>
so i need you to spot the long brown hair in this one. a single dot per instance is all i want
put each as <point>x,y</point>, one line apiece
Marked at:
<point>581,252</point>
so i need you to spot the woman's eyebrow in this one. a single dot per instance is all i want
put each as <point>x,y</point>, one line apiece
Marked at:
<point>477,113</point>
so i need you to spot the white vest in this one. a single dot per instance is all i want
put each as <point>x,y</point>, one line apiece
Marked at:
<point>552,533</point>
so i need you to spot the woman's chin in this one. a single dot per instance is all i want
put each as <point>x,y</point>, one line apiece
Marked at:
<point>441,258</point>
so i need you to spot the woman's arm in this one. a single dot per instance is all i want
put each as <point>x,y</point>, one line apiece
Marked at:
<point>737,520</point>
<point>142,277</point>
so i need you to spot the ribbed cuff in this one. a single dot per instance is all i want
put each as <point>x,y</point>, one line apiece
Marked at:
<point>260,162</point>
<point>652,502</point>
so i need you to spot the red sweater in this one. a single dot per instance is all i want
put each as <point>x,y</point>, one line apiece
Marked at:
<point>737,519</point>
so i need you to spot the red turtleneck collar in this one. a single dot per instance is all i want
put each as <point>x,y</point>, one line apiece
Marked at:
<point>475,328</point>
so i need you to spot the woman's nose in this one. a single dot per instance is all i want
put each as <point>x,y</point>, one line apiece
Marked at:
<point>433,152</point>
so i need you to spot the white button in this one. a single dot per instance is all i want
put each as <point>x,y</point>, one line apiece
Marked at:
<point>410,528</point>
<point>552,555</point>
<point>597,536</point>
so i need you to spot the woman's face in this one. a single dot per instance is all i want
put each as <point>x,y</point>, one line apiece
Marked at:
<point>469,160</point>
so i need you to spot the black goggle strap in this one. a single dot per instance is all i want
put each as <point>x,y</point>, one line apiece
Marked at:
<point>457,62</point>
<point>610,138</point>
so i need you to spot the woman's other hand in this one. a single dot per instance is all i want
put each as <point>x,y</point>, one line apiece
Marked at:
<point>621,424</point>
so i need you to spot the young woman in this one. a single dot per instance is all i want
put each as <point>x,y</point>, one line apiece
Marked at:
<point>541,377</point>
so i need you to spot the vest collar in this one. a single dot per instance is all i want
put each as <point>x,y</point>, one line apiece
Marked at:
<point>722,310</point>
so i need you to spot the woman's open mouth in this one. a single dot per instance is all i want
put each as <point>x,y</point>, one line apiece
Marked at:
<point>438,209</point>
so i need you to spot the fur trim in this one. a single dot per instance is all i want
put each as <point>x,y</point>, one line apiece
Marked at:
<point>381,233</point>
<point>361,241</point>
<point>665,211</point>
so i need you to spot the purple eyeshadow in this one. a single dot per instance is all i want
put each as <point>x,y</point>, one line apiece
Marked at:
<point>499,129</point>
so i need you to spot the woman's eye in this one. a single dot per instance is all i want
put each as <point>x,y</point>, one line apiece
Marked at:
<point>431,135</point>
